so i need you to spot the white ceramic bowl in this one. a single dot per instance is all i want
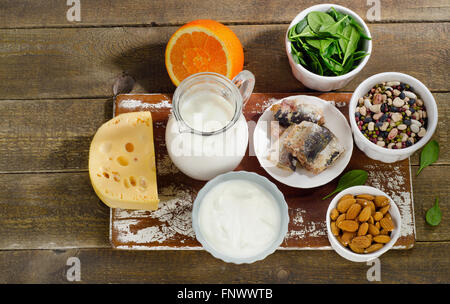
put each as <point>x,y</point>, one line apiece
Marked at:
<point>326,83</point>
<point>346,252</point>
<point>380,153</point>
<point>267,185</point>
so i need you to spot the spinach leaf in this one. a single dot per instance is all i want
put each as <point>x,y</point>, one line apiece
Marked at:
<point>327,43</point>
<point>434,214</point>
<point>316,65</point>
<point>300,26</point>
<point>349,46</point>
<point>358,28</point>
<point>429,155</point>
<point>350,179</point>
<point>318,19</point>
<point>332,65</point>
<point>349,65</point>
<point>335,14</point>
<point>306,32</point>
<point>333,29</point>
<point>324,46</point>
<point>313,42</point>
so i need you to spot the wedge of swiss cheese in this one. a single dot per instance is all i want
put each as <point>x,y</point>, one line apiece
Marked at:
<point>122,162</point>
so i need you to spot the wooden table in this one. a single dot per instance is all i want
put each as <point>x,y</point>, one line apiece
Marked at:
<point>55,91</point>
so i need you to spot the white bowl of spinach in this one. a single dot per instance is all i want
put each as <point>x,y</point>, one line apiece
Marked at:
<point>327,45</point>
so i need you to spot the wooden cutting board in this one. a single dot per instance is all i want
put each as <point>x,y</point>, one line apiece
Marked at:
<point>170,226</point>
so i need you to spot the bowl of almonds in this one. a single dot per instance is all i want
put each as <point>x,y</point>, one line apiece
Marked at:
<point>362,223</point>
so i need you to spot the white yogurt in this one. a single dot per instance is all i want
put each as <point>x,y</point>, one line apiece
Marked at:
<point>239,218</point>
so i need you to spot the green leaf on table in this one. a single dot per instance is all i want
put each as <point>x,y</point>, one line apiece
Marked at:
<point>434,214</point>
<point>429,155</point>
<point>350,179</point>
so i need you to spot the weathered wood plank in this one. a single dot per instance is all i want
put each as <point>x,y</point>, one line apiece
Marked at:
<point>49,135</point>
<point>60,210</point>
<point>82,62</point>
<point>42,211</point>
<point>54,135</point>
<point>426,263</point>
<point>45,13</point>
<point>431,183</point>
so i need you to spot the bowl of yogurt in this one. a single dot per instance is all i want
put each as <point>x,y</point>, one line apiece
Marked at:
<point>240,217</point>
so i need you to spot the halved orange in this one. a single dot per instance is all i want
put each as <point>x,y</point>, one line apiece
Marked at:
<point>203,46</point>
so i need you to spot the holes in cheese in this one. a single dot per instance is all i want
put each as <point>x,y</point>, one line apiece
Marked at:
<point>118,178</point>
<point>129,147</point>
<point>122,160</point>
<point>132,181</point>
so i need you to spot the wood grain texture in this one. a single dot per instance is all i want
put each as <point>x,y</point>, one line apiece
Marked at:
<point>49,135</point>
<point>82,62</point>
<point>52,13</point>
<point>51,211</point>
<point>426,263</point>
<point>54,135</point>
<point>60,210</point>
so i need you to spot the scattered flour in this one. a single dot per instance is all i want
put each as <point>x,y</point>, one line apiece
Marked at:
<point>309,229</point>
<point>135,103</point>
<point>173,219</point>
<point>397,192</point>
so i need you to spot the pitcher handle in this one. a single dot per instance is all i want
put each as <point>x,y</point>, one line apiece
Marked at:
<point>245,82</point>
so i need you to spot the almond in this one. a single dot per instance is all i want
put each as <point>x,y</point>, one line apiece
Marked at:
<point>334,214</point>
<point>343,205</point>
<point>365,214</point>
<point>377,224</point>
<point>356,249</point>
<point>348,225</point>
<point>353,211</point>
<point>340,241</point>
<point>378,216</point>
<point>373,247</point>
<point>340,219</point>
<point>384,232</point>
<point>387,224</point>
<point>334,229</point>
<point>361,241</point>
<point>381,239</point>
<point>366,197</point>
<point>366,203</point>
<point>381,201</point>
<point>347,237</point>
<point>385,209</point>
<point>363,228</point>
<point>347,196</point>
<point>373,230</point>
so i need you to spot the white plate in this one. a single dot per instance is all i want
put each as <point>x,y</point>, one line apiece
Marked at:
<point>301,178</point>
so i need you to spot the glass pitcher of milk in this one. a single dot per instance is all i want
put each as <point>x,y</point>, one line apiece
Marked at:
<point>207,134</point>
